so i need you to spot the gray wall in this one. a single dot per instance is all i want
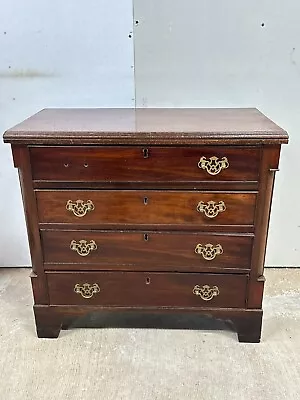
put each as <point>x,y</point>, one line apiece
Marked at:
<point>56,54</point>
<point>216,53</point>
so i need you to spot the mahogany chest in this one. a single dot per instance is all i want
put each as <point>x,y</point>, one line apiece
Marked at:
<point>149,210</point>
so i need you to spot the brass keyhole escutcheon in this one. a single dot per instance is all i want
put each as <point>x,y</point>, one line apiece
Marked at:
<point>146,153</point>
<point>146,237</point>
<point>148,281</point>
<point>146,200</point>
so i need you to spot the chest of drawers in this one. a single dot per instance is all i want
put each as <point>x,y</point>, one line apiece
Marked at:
<point>149,210</point>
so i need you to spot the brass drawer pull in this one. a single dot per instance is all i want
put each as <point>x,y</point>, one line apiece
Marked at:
<point>211,209</point>
<point>213,165</point>
<point>79,207</point>
<point>86,290</point>
<point>83,248</point>
<point>209,251</point>
<point>206,292</point>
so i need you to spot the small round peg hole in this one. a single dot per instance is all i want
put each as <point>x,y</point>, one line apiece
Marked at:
<point>147,281</point>
<point>146,237</point>
<point>66,165</point>
<point>145,200</point>
<point>85,165</point>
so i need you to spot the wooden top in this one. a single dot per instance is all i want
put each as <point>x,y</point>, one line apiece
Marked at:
<point>171,126</point>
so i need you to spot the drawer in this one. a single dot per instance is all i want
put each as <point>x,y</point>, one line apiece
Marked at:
<point>147,289</point>
<point>145,250</point>
<point>145,207</point>
<point>140,164</point>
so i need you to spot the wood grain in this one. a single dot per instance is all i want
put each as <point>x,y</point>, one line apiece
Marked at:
<point>38,279</point>
<point>141,164</point>
<point>145,207</point>
<point>157,126</point>
<point>269,165</point>
<point>147,289</point>
<point>246,322</point>
<point>150,251</point>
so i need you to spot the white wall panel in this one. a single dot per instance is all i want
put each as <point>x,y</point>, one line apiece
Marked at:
<point>56,54</point>
<point>233,53</point>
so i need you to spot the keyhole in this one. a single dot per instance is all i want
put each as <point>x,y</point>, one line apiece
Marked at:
<point>85,165</point>
<point>145,153</point>
<point>146,237</point>
<point>145,200</point>
<point>147,281</point>
<point>66,165</point>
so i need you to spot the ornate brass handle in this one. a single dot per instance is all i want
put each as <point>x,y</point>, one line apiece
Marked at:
<point>79,207</point>
<point>206,292</point>
<point>209,251</point>
<point>213,165</point>
<point>211,209</point>
<point>83,248</point>
<point>87,290</point>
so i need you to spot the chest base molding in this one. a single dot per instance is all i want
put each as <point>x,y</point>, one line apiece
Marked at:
<point>50,320</point>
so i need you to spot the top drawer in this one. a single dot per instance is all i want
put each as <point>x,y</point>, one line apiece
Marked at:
<point>145,164</point>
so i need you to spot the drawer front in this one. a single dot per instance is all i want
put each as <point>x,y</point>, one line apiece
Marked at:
<point>147,251</point>
<point>147,289</point>
<point>145,207</point>
<point>141,164</point>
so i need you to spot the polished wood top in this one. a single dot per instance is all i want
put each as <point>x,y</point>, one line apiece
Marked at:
<point>172,126</point>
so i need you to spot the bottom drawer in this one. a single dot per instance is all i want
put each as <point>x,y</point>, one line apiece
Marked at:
<point>147,289</point>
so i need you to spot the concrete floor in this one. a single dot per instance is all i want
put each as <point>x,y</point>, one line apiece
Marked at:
<point>137,364</point>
